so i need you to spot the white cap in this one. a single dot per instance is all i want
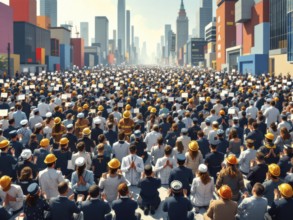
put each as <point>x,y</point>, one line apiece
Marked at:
<point>202,168</point>
<point>69,126</point>
<point>80,115</point>
<point>23,122</point>
<point>48,114</point>
<point>215,123</point>
<point>38,125</point>
<point>97,121</point>
<point>26,154</point>
<point>80,161</point>
<point>79,96</point>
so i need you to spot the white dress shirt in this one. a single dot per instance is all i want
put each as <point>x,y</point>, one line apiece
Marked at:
<point>132,174</point>
<point>272,115</point>
<point>164,173</point>
<point>16,192</point>
<point>43,109</point>
<point>151,139</point>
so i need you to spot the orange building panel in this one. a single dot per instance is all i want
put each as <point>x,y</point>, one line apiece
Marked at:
<point>44,22</point>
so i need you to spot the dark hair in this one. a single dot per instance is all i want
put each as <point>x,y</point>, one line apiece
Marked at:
<point>121,135</point>
<point>204,177</point>
<point>260,156</point>
<point>25,174</point>
<point>62,187</point>
<point>94,191</point>
<point>31,200</point>
<point>80,146</point>
<point>80,170</point>
<point>160,140</point>
<point>123,189</point>
<point>255,125</point>
<point>168,150</point>
<point>258,189</point>
<point>200,133</point>
<point>148,170</point>
<point>284,133</point>
<point>132,148</point>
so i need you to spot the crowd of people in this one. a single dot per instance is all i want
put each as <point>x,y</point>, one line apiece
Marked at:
<point>74,144</point>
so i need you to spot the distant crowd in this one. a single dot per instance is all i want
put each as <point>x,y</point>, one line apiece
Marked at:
<point>74,145</point>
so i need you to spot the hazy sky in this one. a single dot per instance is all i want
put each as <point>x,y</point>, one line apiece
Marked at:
<point>148,16</point>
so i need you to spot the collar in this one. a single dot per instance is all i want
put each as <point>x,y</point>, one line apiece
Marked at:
<point>124,197</point>
<point>270,147</point>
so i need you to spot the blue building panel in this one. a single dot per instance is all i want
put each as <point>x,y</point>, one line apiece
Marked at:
<point>65,56</point>
<point>261,38</point>
<point>51,62</point>
<point>255,64</point>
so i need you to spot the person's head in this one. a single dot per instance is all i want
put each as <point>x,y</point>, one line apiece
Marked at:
<point>284,133</point>
<point>286,190</point>
<point>113,166</point>
<point>50,160</point>
<point>200,134</point>
<point>254,125</point>
<point>258,190</point>
<point>101,138</point>
<point>168,150</point>
<point>181,159</point>
<point>156,128</point>
<point>123,189</point>
<point>260,157</point>
<point>274,171</point>
<point>180,146</point>
<point>94,191</point>
<point>33,194</point>
<point>225,192</point>
<point>5,183</point>
<point>26,174</point>
<point>63,188</point>
<point>148,170</point>
<point>80,146</point>
<point>203,174</point>
<point>160,141</point>
<point>233,134</point>
<point>176,187</point>
<point>121,136</point>
<point>132,149</point>
<point>269,138</point>
<point>101,148</point>
<point>249,143</point>
<point>80,166</point>
<point>231,168</point>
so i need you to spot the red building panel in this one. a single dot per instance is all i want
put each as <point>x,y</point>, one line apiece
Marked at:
<point>24,10</point>
<point>78,51</point>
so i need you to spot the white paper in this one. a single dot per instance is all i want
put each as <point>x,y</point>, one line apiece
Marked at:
<point>136,110</point>
<point>3,112</point>
<point>171,99</point>
<point>184,95</point>
<point>231,111</point>
<point>4,95</point>
<point>21,97</point>
<point>109,110</point>
<point>64,96</point>
<point>120,104</point>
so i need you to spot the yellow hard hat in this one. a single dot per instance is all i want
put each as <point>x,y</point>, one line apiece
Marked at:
<point>231,159</point>
<point>114,163</point>
<point>193,146</point>
<point>126,114</point>
<point>100,108</point>
<point>286,190</point>
<point>270,136</point>
<point>274,169</point>
<point>5,181</point>
<point>45,142</point>
<point>50,158</point>
<point>86,131</point>
<point>85,106</point>
<point>128,107</point>
<point>153,110</point>
<point>4,144</point>
<point>57,120</point>
<point>64,141</point>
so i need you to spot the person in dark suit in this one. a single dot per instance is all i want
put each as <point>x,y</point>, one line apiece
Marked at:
<point>4,214</point>
<point>192,132</point>
<point>111,135</point>
<point>214,160</point>
<point>223,143</point>
<point>256,136</point>
<point>62,207</point>
<point>71,137</point>
<point>182,174</point>
<point>96,131</point>
<point>94,208</point>
<point>178,206</point>
<point>282,207</point>
<point>125,207</point>
<point>203,143</point>
<point>10,128</point>
<point>150,199</point>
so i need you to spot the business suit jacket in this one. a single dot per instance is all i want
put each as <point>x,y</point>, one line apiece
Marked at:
<point>95,209</point>
<point>125,209</point>
<point>221,209</point>
<point>62,208</point>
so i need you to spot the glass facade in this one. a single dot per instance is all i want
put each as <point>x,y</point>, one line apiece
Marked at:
<point>278,24</point>
<point>290,29</point>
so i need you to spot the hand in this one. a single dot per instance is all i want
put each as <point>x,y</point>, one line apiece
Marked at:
<point>277,194</point>
<point>10,198</point>
<point>185,192</point>
<point>245,195</point>
<point>12,151</point>
<point>71,197</point>
<point>119,172</point>
<point>80,197</point>
<point>242,148</point>
<point>104,196</point>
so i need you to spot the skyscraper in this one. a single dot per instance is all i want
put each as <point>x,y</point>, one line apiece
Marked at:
<point>115,40</point>
<point>290,30</point>
<point>25,10</point>
<point>121,26</point>
<point>167,30</point>
<point>128,31</point>
<point>102,35</point>
<point>84,32</point>
<point>182,27</point>
<point>49,8</point>
<point>204,16</point>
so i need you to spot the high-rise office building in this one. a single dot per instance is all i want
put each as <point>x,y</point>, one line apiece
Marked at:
<point>128,31</point>
<point>84,32</point>
<point>290,30</point>
<point>102,35</point>
<point>49,8</point>
<point>167,30</point>
<point>121,27</point>
<point>204,16</point>
<point>182,28</point>
<point>226,30</point>
<point>114,40</point>
<point>24,10</point>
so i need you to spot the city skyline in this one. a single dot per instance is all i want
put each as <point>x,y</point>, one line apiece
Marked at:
<point>144,16</point>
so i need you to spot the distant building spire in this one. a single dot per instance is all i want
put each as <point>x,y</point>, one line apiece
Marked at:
<point>182,5</point>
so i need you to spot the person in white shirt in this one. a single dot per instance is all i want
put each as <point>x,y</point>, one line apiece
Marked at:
<point>152,137</point>
<point>208,127</point>
<point>102,119</point>
<point>121,147</point>
<point>11,195</point>
<point>165,165</point>
<point>218,106</point>
<point>81,153</point>
<point>187,120</point>
<point>202,188</point>
<point>246,156</point>
<point>132,166</point>
<point>213,117</point>
<point>212,135</point>
<point>266,105</point>
<point>43,108</point>
<point>272,114</point>
<point>184,138</point>
<point>284,123</point>
<point>252,110</point>
<point>49,178</point>
<point>117,114</point>
<point>234,108</point>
